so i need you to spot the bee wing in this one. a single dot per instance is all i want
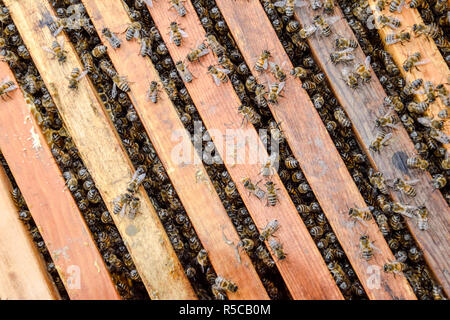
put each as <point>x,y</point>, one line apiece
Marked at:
<point>149,3</point>
<point>421,62</point>
<point>171,36</point>
<point>281,3</point>
<point>281,86</point>
<point>375,247</point>
<point>11,88</point>
<point>82,75</point>
<point>114,90</point>
<point>347,50</point>
<point>123,210</point>
<point>216,79</point>
<point>332,20</point>
<point>273,66</point>
<point>137,34</point>
<point>412,182</point>
<point>48,50</point>
<point>226,71</point>
<point>386,138</point>
<point>367,62</point>
<point>183,34</point>
<point>311,28</point>
<point>400,6</point>
<point>300,3</point>
<point>391,26</point>
<point>265,65</point>
<point>346,71</point>
<point>425,121</point>
<point>140,178</point>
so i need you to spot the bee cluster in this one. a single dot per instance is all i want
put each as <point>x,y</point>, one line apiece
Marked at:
<point>27,219</point>
<point>387,214</point>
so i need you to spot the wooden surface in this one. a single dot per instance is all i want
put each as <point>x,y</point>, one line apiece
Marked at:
<point>103,155</point>
<point>436,70</point>
<point>161,121</point>
<point>23,273</point>
<point>314,149</point>
<point>362,106</point>
<point>53,209</point>
<point>304,270</point>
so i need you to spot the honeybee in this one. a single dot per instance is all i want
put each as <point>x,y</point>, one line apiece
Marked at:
<point>341,117</point>
<point>219,75</point>
<point>260,98</point>
<point>277,71</point>
<point>262,62</point>
<point>274,92</point>
<point>272,196</point>
<point>387,120</point>
<point>437,293</point>
<point>366,247</point>
<point>113,40</point>
<point>277,249</point>
<point>350,78</point>
<point>429,91</point>
<point>269,230</point>
<point>88,61</point>
<point>288,6</point>
<point>394,38</point>
<point>443,94</point>
<point>328,6</point>
<point>264,255</point>
<point>57,51</point>
<point>202,259</point>
<point>307,31</point>
<point>383,224</point>
<point>439,181</point>
<point>251,84</point>
<point>134,206</point>
<point>412,61</point>
<point>396,5</point>
<point>361,214</point>
<point>120,82</point>
<point>395,267</point>
<point>299,72</point>
<point>253,188</point>
<point>176,33</point>
<point>184,72</point>
<point>422,218</point>
<point>439,136</point>
<point>246,244</point>
<point>268,168</point>
<point>380,140</point>
<point>342,56</point>
<point>224,284</point>
<point>417,107</point>
<point>391,22</point>
<point>216,47</point>
<point>7,86</point>
<point>405,186</point>
<point>402,209</point>
<point>133,31</point>
<point>417,163</point>
<point>179,7</point>
<point>121,203</point>
<point>343,43</point>
<point>249,115</point>
<point>323,24</point>
<point>153,91</point>
<point>197,53</point>
<point>136,180</point>
<point>75,76</point>
<point>431,30</point>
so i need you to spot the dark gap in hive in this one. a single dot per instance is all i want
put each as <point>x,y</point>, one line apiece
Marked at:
<point>293,179</point>
<point>220,177</point>
<point>25,216</point>
<point>106,235</point>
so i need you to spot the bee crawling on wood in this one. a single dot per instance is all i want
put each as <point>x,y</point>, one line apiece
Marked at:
<point>289,6</point>
<point>342,56</point>
<point>380,141</point>
<point>219,75</point>
<point>113,40</point>
<point>274,91</point>
<point>395,267</point>
<point>272,196</point>
<point>7,86</point>
<point>394,38</point>
<point>184,72</point>
<point>200,51</point>
<point>75,76</point>
<point>178,6</point>
<point>396,6</point>
<point>269,230</point>
<point>223,284</point>
<point>388,120</point>
<point>323,24</point>
<point>360,214</point>
<point>414,60</point>
<point>253,188</point>
<point>268,168</point>
<point>133,31</point>
<point>391,22</point>
<point>153,91</point>
<point>262,62</point>
<point>277,249</point>
<point>176,33</point>
<point>350,78</point>
<point>57,50</point>
<point>277,71</point>
<point>366,247</point>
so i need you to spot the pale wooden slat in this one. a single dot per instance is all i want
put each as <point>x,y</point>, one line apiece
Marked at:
<point>54,210</point>
<point>314,149</point>
<point>103,155</point>
<point>304,270</point>
<point>200,200</point>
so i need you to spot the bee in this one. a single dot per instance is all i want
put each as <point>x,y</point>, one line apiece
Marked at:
<point>251,84</point>
<point>439,136</point>
<point>88,62</point>
<point>219,75</point>
<point>274,92</point>
<point>328,6</point>
<point>439,181</point>
<point>299,72</point>
<point>264,255</point>
<point>75,76</point>
<point>343,43</point>
<point>387,120</point>
<point>202,259</point>
<point>253,188</point>
<point>341,117</point>
<point>342,56</point>
<point>412,61</point>
<point>417,107</point>
<point>246,244</point>
<point>307,31</point>
<point>262,62</point>
<point>396,5</point>
<point>268,168</point>
<point>277,71</point>
<point>176,33</point>
<point>133,31</point>
<point>121,204</point>
<point>197,53</point>
<point>113,40</point>
<point>431,30</point>
<point>361,214</point>
<point>437,293</point>
<point>288,6</point>
<point>429,91</point>
<point>57,50</point>
<point>366,247</point>
<point>324,24</point>
<point>134,206</point>
<point>394,38</point>
<point>153,91</point>
<point>179,7</point>
<point>383,224</point>
<point>443,94</point>
<point>350,78</point>
<point>216,47</point>
<point>380,140</point>
<point>136,180</point>
<point>260,98</point>
<point>418,3</point>
<point>417,163</point>
<point>292,26</point>
<point>7,86</point>
<point>358,28</point>
<point>381,4</point>
<point>395,267</point>
<point>277,249</point>
<point>269,230</point>
<point>405,186</point>
<point>391,22</point>
<point>272,196</point>
<point>184,72</point>
<point>225,285</point>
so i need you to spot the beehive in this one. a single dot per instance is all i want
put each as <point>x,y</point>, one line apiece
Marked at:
<point>194,205</point>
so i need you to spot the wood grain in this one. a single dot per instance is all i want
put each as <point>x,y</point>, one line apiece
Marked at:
<point>315,151</point>
<point>362,106</point>
<point>436,70</point>
<point>54,211</point>
<point>23,272</point>
<point>103,155</point>
<point>304,271</point>
<point>161,122</point>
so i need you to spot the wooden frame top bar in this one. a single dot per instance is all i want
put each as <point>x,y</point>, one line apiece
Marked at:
<point>103,155</point>
<point>23,272</point>
<point>362,106</point>
<point>161,121</point>
<point>304,270</point>
<point>52,207</point>
<point>312,146</point>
